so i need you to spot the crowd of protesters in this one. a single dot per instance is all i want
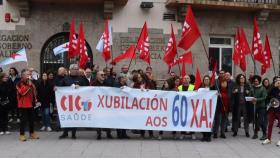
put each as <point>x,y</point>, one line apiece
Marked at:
<point>25,96</point>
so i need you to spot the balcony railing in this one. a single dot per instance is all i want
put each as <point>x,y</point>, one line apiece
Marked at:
<point>253,5</point>
<point>253,1</point>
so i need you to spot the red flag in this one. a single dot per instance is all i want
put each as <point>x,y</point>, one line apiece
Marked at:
<point>267,56</point>
<point>257,44</point>
<point>72,52</point>
<point>183,70</point>
<point>236,53</point>
<point>198,81</point>
<point>190,31</point>
<point>82,48</point>
<point>171,49</point>
<point>244,45</point>
<point>143,45</point>
<point>213,79</point>
<point>128,54</point>
<point>185,58</point>
<point>241,49</point>
<point>244,49</point>
<point>106,54</point>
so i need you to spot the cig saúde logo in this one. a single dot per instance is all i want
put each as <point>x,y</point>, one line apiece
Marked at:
<point>68,103</point>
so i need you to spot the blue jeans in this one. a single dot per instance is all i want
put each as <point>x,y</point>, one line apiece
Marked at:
<point>46,116</point>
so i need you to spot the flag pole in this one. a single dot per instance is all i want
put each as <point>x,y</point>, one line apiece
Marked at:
<point>132,58</point>
<point>179,65</point>
<point>192,66</point>
<point>273,66</point>
<point>205,51</point>
<point>254,62</point>
<point>135,49</point>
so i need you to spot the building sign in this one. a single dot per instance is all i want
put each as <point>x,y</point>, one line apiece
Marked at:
<point>11,43</point>
<point>157,39</point>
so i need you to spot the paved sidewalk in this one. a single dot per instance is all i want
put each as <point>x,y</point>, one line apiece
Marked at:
<point>49,146</point>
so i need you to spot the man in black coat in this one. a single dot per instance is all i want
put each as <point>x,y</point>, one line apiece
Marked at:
<point>100,81</point>
<point>74,79</point>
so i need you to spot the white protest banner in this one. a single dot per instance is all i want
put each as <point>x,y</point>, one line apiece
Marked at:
<point>128,108</point>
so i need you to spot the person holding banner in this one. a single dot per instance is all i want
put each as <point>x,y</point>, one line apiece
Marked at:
<point>259,93</point>
<point>165,87</point>
<point>241,90</point>
<point>75,80</point>
<point>206,136</point>
<point>27,96</point>
<point>143,83</point>
<point>59,81</point>
<point>122,80</point>
<point>99,82</point>
<point>186,86</point>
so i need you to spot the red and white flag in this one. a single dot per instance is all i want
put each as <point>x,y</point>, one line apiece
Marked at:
<point>190,31</point>
<point>143,45</point>
<point>171,49</point>
<point>267,56</point>
<point>72,47</point>
<point>257,46</point>
<point>128,54</point>
<point>244,45</point>
<point>106,54</point>
<point>19,56</point>
<point>82,50</point>
<point>185,58</point>
<point>241,49</point>
<point>236,52</point>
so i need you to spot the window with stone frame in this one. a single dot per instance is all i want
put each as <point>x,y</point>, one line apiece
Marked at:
<point>220,52</point>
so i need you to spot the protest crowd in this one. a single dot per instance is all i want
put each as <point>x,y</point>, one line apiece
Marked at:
<point>28,99</point>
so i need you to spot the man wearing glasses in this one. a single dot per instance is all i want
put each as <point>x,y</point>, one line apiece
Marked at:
<point>100,78</point>
<point>74,79</point>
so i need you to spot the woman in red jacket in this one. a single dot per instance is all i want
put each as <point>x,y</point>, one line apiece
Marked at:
<point>26,96</point>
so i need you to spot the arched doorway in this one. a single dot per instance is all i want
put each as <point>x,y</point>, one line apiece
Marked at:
<point>50,62</point>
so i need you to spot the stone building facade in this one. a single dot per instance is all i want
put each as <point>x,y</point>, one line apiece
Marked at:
<point>41,25</point>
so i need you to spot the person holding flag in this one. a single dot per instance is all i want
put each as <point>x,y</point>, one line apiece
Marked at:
<point>222,105</point>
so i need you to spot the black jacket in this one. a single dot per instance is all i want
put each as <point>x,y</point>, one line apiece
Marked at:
<point>77,80</point>
<point>44,90</point>
<point>59,81</point>
<point>237,102</point>
<point>6,92</point>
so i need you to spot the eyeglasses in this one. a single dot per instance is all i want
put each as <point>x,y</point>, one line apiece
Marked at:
<point>102,74</point>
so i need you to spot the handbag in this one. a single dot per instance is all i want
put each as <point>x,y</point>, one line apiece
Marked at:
<point>4,102</point>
